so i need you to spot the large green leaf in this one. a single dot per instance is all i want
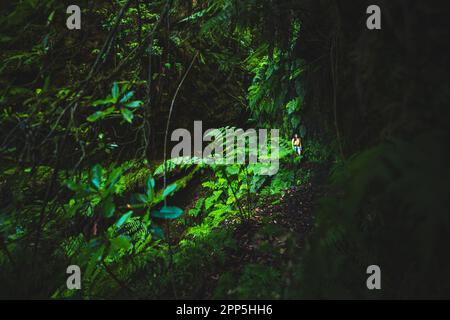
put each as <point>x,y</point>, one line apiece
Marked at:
<point>127,115</point>
<point>97,172</point>
<point>115,91</point>
<point>169,190</point>
<point>102,102</point>
<point>114,177</point>
<point>127,97</point>
<point>167,213</point>
<point>101,114</point>
<point>142,198</point>
<point>134,104</point>
<point>108,207</point>
<point>95,116</point>
<point>123,219</point>
<point>150,188</point>
<point>121,242</point>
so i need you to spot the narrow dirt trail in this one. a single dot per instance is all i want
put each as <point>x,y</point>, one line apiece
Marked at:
<point>276,233</point>
<point>293,214</point>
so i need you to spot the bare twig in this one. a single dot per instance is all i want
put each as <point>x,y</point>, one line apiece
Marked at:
<point>168,120</point>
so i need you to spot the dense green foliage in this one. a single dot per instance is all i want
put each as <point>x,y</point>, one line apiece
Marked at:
<point>85,114</point>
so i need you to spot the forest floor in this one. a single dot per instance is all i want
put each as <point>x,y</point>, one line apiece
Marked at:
<point>276,234</point>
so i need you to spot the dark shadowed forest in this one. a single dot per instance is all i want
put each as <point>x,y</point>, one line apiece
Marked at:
<point>87,176</point>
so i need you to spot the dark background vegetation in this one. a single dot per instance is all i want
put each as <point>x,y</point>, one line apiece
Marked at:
<point>371,107</point>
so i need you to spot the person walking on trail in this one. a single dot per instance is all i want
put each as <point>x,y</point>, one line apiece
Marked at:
<point>297,144</point>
